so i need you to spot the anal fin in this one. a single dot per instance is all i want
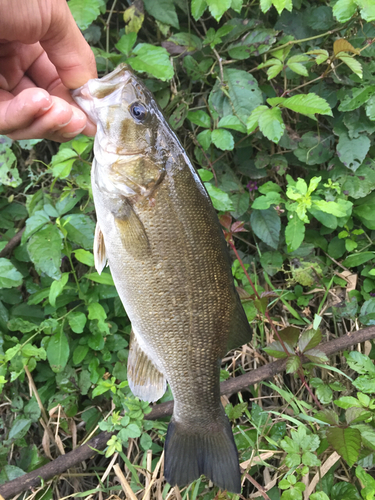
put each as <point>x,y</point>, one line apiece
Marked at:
<point>240,330</point>
<point>145,380</point>
<point>100,257</point>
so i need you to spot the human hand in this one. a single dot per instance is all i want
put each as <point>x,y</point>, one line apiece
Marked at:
<point>42,55</point>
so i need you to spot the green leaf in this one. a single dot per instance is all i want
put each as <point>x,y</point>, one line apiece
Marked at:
<point>58,352</point>
<point>8,172</point>
<point>79,354</point>
<point>298,68</point>
<point>352,63</point>
<point>85,257</point>
<point>44,248</point>
<point>343,10</point>
<point>347,443</point>
<point>253,119</point>
<point>271,124</point>
<point>126,43</point>
<point>204,139</point>
<point>368,492</point>
<point>357,259</point>
<point>63,162</point>
<point>232,122</point>
<point>258,41</point>
<point>9,276</point>
<point>56,288</point>
<point>352,152</point>
<point>294,233</point>
<point>292,364</point>
<point>354,98</point>
<point>80,229</point>
<point>331,207</point>
<point>222,139</point>
<point>241,97</point>
<point>266,225</point>
<point>276,350</point>
<point>309,339</point>
<point>77,321</point>
<point>163,10</point>
<point>33,223</point>
<point>205,175</point>
<point>306,104</point>
<point>218,7</point>
<point>219,198</point>
<point>104,278</point>
<point>367,9</point>
<point>153,60</point>
<point>19,428</point>
<point>264,202</point>
<point>85,11</point>
<point>197,8</point>
<point>200,118</point>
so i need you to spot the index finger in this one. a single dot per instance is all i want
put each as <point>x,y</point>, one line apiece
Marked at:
<point>67,49</point>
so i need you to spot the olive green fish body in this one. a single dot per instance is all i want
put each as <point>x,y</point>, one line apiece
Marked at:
<point>169,261</point>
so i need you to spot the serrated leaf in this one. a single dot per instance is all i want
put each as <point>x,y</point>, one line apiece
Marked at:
<point>218,7</point>
<point>253,119</point>
<point>222,139</point>
<point>80,229</point>
<point>197,8</point>
<point>309,339</point>
<point>292,364</point>
<point>126,43</point>
<point>307,104</point>
<point>346,442</point>
<point>276,350</point>
<point>271,124</point>
<point>200,118</point>
<point>343,10</point>
<point>342,45</point>
<point>153,60</point>
<point>58,352</point>
<point>367,10</point>
<point>232,122</point>
<point>219,198</point>
<point>294,233</point>
<point>274,70</point>
<point>85,11</point>
<point>316,356</point>
<point>298,68</point>
<point>355,97</point>
<point>44,249</point>
<point>353,64</point>
<point>9,175</point>
<point>266,225</point>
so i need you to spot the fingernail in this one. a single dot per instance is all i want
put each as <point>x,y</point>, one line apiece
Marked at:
<point>47,107</point>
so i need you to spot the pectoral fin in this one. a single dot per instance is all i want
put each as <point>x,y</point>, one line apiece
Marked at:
<point>132,233</point>
<point>100,257</point>
<point>145,380</point>
<point>240,330</point>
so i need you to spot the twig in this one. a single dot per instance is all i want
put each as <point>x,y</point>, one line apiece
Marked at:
<point>228,387</point>
<point>260,488</point>
<point>12,243</point>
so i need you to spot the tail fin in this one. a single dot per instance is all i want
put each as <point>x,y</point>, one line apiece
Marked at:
<point>190,454</point>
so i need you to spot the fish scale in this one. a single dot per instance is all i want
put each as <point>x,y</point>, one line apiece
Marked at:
<point>170,264</point>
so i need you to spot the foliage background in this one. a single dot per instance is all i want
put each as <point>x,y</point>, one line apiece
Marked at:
<point>275,104</point>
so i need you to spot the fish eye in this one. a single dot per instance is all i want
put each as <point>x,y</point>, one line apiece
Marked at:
<point>138,111</point>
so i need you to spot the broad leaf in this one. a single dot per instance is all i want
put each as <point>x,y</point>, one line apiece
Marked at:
<point>347,443</point>
<point>58,352</point>
<point>44,248</point>
<point>153,60</point>
<point>9,276</point>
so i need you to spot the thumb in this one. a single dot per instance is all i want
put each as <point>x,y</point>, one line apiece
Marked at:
<point>67,49</point>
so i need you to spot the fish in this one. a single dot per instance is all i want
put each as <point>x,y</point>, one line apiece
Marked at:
<point>160,235</point>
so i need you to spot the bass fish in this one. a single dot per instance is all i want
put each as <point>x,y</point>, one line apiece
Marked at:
<point>160,234</point>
